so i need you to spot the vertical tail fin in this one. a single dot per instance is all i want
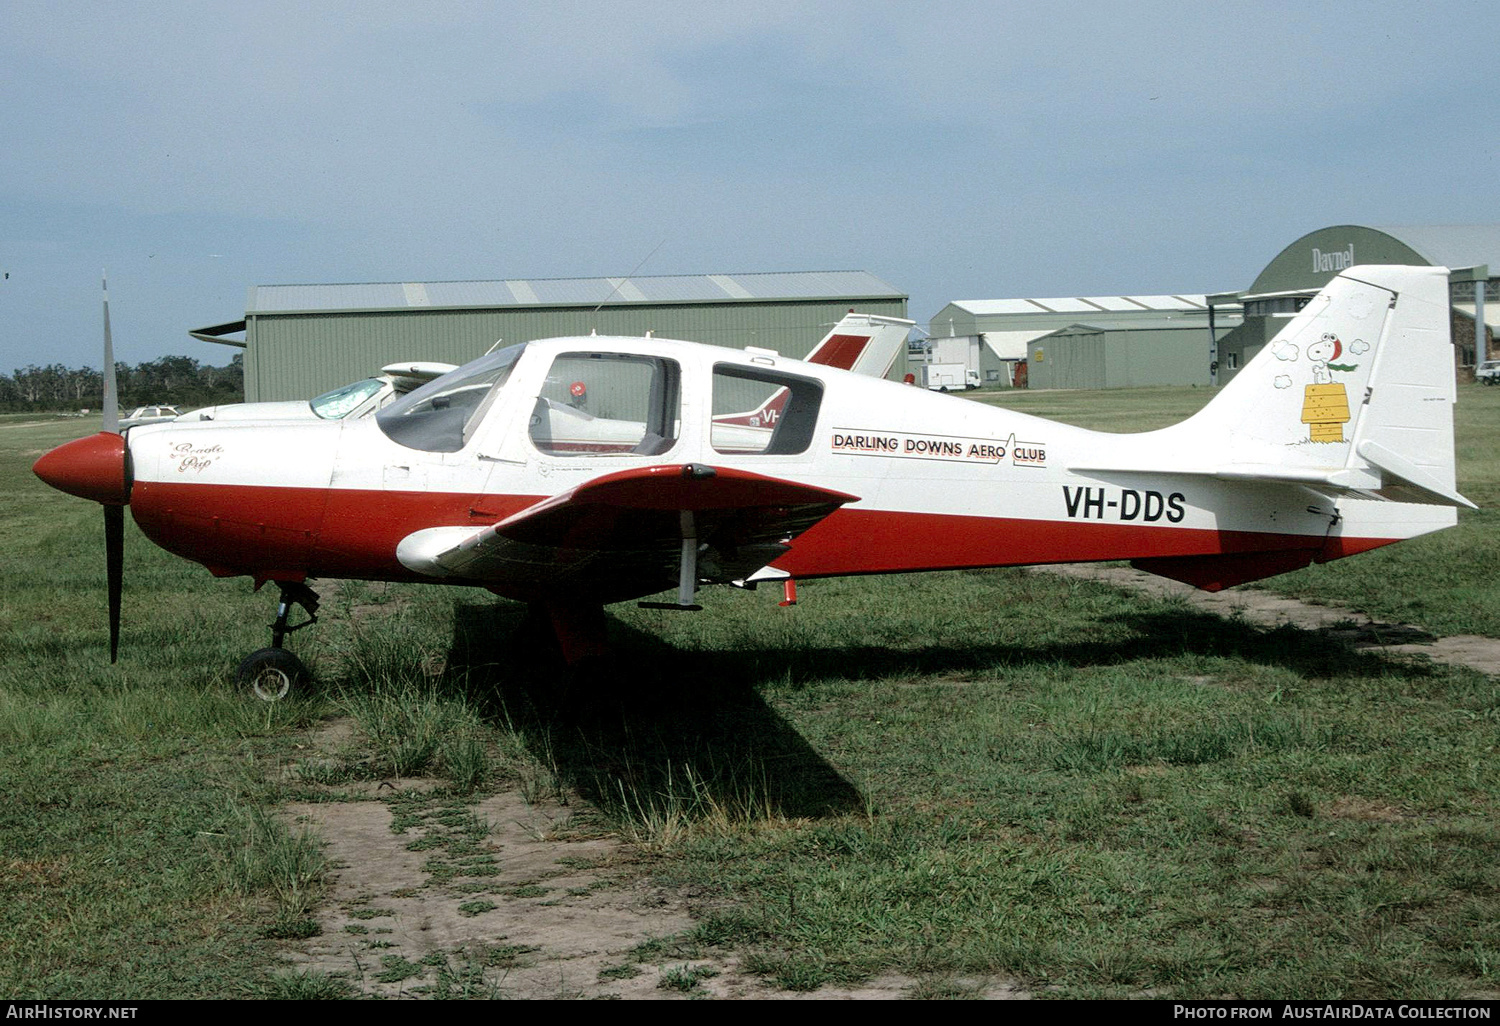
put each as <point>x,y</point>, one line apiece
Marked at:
<point>1355,393</point>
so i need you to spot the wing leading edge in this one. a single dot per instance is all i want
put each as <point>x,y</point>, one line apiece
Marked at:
<point>629,533</point>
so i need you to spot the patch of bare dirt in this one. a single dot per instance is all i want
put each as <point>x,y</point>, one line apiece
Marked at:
<point>534,900</point>
<point>557,913</point>
<point>1354,807</point>
<point>539,923</point>
<point>34,424</point>
<point>1267,609</point>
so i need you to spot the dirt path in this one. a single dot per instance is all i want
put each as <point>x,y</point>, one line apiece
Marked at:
<point>1270,610</point>
<point>533,909</point>
<point>39,423</point>
<point>536,907</point>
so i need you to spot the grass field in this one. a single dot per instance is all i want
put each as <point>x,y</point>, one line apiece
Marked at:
<point>958,778</point>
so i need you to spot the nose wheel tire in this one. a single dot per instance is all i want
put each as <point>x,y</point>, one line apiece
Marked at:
<point>270,673</point>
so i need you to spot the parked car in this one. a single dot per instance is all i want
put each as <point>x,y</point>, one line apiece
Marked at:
<point>150,415</point>
<point>1488,372</point>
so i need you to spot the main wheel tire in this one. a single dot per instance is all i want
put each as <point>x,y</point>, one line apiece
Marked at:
<point>270,673</point>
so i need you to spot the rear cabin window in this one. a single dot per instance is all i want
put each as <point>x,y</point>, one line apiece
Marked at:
<point>763,412</point>
<point>607,404</point>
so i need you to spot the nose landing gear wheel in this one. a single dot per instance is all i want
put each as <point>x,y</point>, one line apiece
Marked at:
<point>270,673</point>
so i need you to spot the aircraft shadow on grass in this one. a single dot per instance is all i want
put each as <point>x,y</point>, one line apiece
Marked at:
<point>655,719</point>
<point>648,722</point>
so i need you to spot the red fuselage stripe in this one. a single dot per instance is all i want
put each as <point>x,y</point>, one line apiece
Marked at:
<point>270,531</point>
<point>334,532</point>
<point>854,541</point>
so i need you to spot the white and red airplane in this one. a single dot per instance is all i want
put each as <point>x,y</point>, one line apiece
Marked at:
<point>575,472</point>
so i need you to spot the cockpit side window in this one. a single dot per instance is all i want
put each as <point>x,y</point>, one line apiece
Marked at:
<point>763,412</point>
<point>607,404</point>
<point>443,414</point>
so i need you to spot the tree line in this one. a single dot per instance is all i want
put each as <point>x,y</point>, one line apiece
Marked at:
<point>179,381</point>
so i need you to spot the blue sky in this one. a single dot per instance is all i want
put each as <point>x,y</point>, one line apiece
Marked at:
<point>957,150</point>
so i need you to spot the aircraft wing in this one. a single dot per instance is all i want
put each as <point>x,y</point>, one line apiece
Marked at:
<point>621,535</point>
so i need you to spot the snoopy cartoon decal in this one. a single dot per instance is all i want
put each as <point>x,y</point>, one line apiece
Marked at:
<point>1325,402</point>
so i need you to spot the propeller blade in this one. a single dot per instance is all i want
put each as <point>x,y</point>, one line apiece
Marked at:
<point>111,392</point>
<point>114,565</point>
<point>114,516</point>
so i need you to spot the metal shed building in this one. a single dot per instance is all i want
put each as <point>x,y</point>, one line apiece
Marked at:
<point>1088,341</point>
<point>1470,252</point>
<point>301,340</point>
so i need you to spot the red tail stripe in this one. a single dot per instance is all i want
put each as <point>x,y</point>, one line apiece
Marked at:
<point>841,351</point>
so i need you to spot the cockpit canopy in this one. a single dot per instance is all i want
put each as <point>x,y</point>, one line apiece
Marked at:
<point>442,415</point>
<point>604,402</point>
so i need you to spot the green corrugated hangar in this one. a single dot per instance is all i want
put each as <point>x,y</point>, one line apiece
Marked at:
<point>1470,252</point>
<point>1081,341</point>
<point>301,340</point>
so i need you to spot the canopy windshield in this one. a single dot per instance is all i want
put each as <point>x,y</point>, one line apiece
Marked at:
<point>343,401</point>
<point>443,414</point>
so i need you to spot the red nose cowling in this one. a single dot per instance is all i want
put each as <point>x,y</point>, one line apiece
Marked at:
<point>91,468</point>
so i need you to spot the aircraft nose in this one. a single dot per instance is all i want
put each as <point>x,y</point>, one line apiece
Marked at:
<point>91,468</point>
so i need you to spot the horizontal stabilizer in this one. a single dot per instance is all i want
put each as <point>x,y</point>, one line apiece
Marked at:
<point>1388,477</point>
<point>1423,482</point>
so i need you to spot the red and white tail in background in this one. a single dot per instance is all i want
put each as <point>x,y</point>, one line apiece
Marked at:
<point>863,343</point>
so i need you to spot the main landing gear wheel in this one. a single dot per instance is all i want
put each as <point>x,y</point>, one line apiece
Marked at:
<point>270,673</point>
